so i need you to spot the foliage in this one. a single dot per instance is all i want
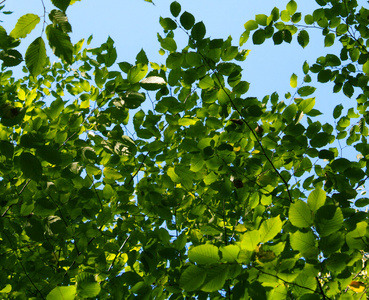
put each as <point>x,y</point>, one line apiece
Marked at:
<point>219,195</point>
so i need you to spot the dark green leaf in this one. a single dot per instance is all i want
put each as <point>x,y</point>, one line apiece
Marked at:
<point>306,91</point>
<point>198,31</point>
<point>36,56</point>
<point>303,38</point>
<point>61,4</point>
<point>30,166</point>
<point>60,19</point>
<point>175,8</point>
<point>60,43</point>
<point>258,37</point>
<point>192,278</point>
<point>187,20</point>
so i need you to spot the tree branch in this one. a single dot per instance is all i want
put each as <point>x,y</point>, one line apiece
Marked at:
<point>116,256</point>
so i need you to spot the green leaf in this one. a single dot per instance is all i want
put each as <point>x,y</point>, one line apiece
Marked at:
<point>133,100</point>
<point>293,81</point>
<point>305,67</point>
<point>175,8</point>
<point>329,39</point>
<point>4,39</point>
<point>305,243</point>
<point>136,73</point>
<point>215,278</point>
<point>244,37</point>
<point>366,68</point>
<point>168,44</point>
<point>62,293</point>
<point>230,253</point>
<point>36,56</point>
<point>152,83</point>
<point>270,228</point>
<point>291,7</point>
<point>30,166</point>
<point>206,83</point>
<point>88,289</point>
<point>316,199</point>
<point>61,4</point>
<point>300,215</point>
<point>141,58</point>
<point>204,254</point>
<point>303,38</point>
<point>187,20</point>
<point>306,105</point>
<point>241,88</point>
<point>24,26</point>
<point>332,60</point>
<point>261,19</point>
<point>60,19</point>
<point>198,31</point>
<point>328,220</point>
<point>250,240</point>
<point>258,37</point>
<point>192,278</point>
<point>167,23</point>
<point>60,43</point>
<point>306,91</point>
<point>251,25</point>
<point>331,243</point>
<point>324,75</point>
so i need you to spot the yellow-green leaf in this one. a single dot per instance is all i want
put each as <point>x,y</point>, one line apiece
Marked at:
<point>25,25</point>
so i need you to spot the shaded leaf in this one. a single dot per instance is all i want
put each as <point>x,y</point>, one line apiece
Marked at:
<point>192,278</point>
<point>30,166</point>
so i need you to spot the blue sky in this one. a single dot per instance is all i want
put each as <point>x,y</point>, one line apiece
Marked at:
<point>133,24</point>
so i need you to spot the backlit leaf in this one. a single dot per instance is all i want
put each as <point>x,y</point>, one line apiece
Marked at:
<point>316,199</point>
<point>62,293</point>
<point>299,214</point>
<point>25,25</point>
<point>270,228</point>
<point>36,56</point>
<point>204,254</point>
<point>60,43</point>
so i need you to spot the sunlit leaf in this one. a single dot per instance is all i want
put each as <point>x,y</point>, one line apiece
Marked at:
<point>62,293</point>
<point>25,25</point>
<point>36,56</point>
<point>270,228</point>
<point>300,215</point>
<point>204,254</point>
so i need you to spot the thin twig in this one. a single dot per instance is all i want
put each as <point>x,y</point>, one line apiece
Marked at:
<point>139,168</point>
<point>117,255</point>
<point>320,287</point>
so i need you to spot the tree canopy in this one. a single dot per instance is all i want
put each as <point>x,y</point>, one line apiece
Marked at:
<point>216,195</point>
